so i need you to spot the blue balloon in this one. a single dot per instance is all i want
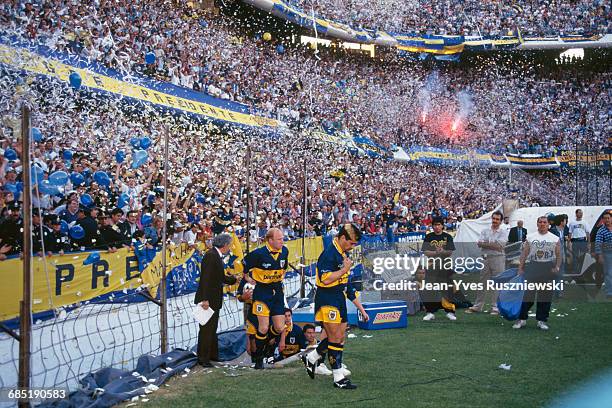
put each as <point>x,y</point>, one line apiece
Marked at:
<point>37,174</point>
<point>120,156</point>
<point>37,134</point>
<point>146,219</point>
<point>203,23</point>
<point>135,142</point>
<point>77,232</point>
<point>280,49</point>
<point>86,200</point>
<point>150,58</point>
<point>92,258</point>
<point>11,188</point>
<point>46,187</point>
<point>124,200</point>
<point>58,178</point>
<point>145,143</point>
<point>64,227</point>
<point>67,155</point>
<point>102,178</point>
<point>77,178</point>
<point>10,154</point>
<point>139,157</point>
<point>75,80</point>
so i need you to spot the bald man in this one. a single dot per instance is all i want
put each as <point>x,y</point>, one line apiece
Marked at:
<point>267,266</point>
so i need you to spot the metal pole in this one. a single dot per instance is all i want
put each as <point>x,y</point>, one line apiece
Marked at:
<point>588,174</point>
<point>248,195</point>
<point>596,178</point>
<point>304,220</point>
<point>433,191</point>
<point>162,285</point>
<point>608,157</point>
<point>576,167</point>
<point>25,318</point>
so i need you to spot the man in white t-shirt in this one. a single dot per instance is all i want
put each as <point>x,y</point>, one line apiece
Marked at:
<point>542,250</point>
<point>492,242</point>
<point>579,231</point>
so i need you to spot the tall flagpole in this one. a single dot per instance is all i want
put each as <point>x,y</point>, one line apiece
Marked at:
<point>304,220</point>
<point>162,284</point>
<point>25,320</point>
<point>248,198</point>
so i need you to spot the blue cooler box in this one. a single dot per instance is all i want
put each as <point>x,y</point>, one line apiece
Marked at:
<point>385,315</point>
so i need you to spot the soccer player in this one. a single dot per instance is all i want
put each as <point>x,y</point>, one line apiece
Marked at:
<point>333,269</point>
<point>267,266</point>
<point>292,339</point>
<point>245,295</point>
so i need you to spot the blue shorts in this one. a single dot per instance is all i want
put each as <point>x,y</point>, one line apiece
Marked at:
<point>330,306</point>
<point>268,299</point>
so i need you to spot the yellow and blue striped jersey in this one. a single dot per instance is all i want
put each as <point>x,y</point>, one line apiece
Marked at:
<point>331,260</point>
<point>266,265</point>
<point>294,340</point>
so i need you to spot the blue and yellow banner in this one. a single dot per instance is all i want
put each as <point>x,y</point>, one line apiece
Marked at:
<point>431,44</point>
<point>368,146</point>
<point>533,161</point>
<point>64,280</point>
<point>39,60</point>
<point>592,159</point>
<point>453,157</point>
<point>303,18</point>
<point>450,157</point>
<point>441,47</point>
<point>67,281</point>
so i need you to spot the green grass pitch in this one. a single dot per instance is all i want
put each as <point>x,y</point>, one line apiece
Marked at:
<point>429,364</point>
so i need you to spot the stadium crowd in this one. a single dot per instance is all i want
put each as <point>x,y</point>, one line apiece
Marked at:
<point>207,185</point>
<point>526,109</point>
<point>529,109</point>
<point>473,17</point>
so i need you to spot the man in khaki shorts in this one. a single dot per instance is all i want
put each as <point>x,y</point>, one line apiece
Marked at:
<point>492,242</point>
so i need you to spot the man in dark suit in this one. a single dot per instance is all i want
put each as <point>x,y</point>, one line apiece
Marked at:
<point>518,233</point>
<point>516,236</point>
<point>210,294</point>
<point>87,220</point>
<point>129,226</point>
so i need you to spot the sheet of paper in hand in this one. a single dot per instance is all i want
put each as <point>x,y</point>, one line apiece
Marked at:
<point>201,315</point>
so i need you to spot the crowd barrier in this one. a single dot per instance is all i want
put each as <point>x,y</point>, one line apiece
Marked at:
<point>106,313</point>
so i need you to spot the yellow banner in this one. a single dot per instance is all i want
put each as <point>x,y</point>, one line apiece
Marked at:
<point>26,60</point>
<point>447,50</point>
<point>63,280</point>
<point>66,281</point>
<point>175,256</point>
<point>312,248</point>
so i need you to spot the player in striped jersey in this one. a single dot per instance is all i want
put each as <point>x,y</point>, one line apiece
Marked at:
<point>333,288</point>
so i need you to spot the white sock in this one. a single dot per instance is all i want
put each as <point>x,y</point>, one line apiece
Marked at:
<point>338,375</point>
<point>313,356</point>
